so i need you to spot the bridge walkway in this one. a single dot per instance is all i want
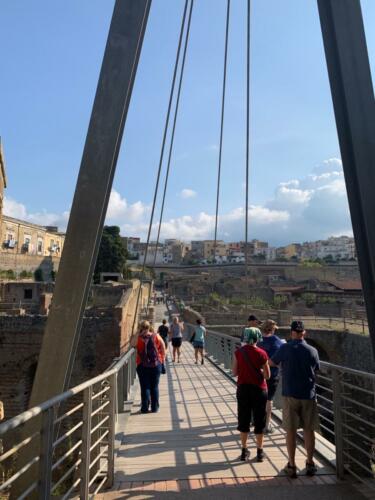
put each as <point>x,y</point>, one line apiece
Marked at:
<point>191,446</point>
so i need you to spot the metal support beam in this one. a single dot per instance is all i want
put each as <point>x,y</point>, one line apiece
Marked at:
<point>353,101</point>
<point>91,198</point>
<point>89,206</point>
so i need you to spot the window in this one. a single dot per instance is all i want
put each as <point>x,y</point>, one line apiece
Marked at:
<point>40,245</point>
<point>28,293</point>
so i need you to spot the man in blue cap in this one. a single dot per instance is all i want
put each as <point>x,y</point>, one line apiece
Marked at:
<point>299,362</point>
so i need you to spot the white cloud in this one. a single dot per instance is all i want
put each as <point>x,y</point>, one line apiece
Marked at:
<point>309,208</point>
<point>120,211</point>
<point>13,208</point>
<point>188,193</point>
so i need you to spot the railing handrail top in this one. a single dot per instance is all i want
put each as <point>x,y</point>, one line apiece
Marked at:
<point>323,363</point>
<point>37,410</point>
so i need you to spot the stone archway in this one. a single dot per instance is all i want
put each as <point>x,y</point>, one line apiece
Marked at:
<point>323,354</point>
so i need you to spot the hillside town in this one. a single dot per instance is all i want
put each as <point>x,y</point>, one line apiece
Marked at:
<point>173,251</point>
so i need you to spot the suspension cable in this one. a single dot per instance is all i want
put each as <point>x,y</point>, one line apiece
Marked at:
<point>221,125</point>
<point>174,126</point>
<point>160,161</point>
<point>247,152</point>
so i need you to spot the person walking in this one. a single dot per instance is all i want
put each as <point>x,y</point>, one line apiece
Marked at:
<point>198,339</point>
<point>270,343</point>
<point>175,333</point>
<point>163,331</point>
<point>150,359</point>
<point>250,365</point>
<point>299,362</point>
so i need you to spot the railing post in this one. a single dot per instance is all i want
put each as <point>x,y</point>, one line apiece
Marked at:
<point>112,429</point>
<point>46,450</point>
<point>86,443</point>
<point>337,416</point>
<point>121,397</point>
<point>126,381</point>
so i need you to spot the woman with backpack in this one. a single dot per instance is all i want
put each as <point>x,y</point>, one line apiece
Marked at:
<point>150,359</point>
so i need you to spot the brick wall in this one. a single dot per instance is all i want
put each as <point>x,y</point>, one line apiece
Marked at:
<point>105,335</point>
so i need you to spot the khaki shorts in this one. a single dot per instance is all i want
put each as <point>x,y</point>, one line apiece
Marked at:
<point>300,413</point>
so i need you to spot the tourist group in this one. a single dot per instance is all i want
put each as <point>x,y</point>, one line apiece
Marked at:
<point>256,363</point>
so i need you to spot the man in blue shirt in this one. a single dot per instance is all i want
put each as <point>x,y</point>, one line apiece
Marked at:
<point>299,362</point>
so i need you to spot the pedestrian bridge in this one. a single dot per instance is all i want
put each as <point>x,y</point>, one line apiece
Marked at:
<point>92,442</point>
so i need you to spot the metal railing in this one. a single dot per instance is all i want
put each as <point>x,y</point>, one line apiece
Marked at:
<point>70,450</point>
<point>346,402</point>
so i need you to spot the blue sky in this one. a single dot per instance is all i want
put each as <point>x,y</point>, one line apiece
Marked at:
<point>52,52</point>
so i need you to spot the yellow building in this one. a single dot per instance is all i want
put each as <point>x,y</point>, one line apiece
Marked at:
<point>22,237</point>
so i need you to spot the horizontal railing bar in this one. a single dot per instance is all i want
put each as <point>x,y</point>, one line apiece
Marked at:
<point>369,471</point>
<point>345,398</point>
<point>69,452</point>
<point>327,419</point>
<point>103,452</point>
<point>357,418</point>
<point>100,471</point>
<point>37,410</point>
<point>346,440</point>
<point>26,493</point>
<point>99,424</point>
<point>15,476</point>
<point>103,391</point>
<point>67,474</point>
<point>325,409</point>
<point>345,370</point>
<point>100,408</point>
<point>319,375</point>
<point>68,413</point>
<point>324,388</point>
<point>72,488</point>
<point>327,430</point>
<point>99,440</point>
<point>17,447</point>
<point>371,393</point>
<point>67,434</point>
<point>102,482</point>
<point>325,399</point>
<point>351,429</point>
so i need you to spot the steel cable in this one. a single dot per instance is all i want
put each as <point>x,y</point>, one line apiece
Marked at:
<point>160,161</point>
<point>174,127</point>
<point>221,126</point>
<point>247,152</point>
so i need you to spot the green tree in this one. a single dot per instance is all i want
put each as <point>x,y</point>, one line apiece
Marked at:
<point>112,253</point>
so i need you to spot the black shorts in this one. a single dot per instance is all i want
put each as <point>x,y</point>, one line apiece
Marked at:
<point>251,402</point>
<point>272,386</point>
<point>177,342</point>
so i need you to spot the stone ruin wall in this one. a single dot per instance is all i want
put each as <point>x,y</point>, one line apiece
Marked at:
<point>105,335</point>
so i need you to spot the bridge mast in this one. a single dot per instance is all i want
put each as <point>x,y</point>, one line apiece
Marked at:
<point>90,201</point>
<point>354,105</point>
